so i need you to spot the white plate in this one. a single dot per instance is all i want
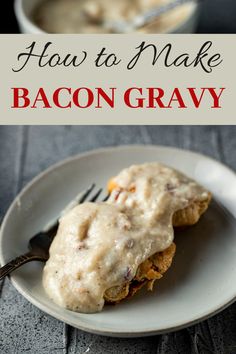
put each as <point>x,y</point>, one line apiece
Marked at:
<point>202,279</point>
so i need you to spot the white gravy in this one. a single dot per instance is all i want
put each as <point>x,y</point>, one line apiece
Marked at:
<point>87,16</point>
<point>101,245</point>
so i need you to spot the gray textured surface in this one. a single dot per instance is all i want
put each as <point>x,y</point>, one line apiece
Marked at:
<point>24,152</point>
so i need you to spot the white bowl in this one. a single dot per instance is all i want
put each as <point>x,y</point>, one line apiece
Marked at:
<point>202,279</point>
<point>24,9</point>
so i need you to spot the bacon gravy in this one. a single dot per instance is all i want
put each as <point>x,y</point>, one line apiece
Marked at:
<point>101,245</point>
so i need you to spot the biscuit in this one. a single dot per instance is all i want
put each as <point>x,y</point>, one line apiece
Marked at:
<point>147,273</point>
<point>155,266</point>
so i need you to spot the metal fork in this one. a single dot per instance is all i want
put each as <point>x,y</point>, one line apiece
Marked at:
<point>39,244</point>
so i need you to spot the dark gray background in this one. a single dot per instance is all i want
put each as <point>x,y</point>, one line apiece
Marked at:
<point>26,151</point>
<point>218,16</point>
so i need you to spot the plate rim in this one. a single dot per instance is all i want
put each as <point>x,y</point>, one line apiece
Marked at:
<point>90,328</point>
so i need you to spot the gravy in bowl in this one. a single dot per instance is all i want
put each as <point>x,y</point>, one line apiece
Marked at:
<point>88,16</point>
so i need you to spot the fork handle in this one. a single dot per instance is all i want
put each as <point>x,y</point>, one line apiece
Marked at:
<point>17,262</point>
